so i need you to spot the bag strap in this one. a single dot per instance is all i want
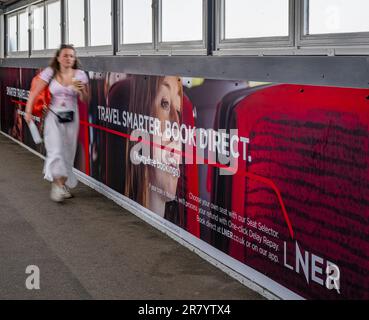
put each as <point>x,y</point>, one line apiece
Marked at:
<point>49,109</point>
<point>51,78</point>
<point>48,84</point>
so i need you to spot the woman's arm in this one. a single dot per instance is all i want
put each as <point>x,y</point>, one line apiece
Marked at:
<point>82,90</point>
<point>84,94</point>
<point>39,86</point>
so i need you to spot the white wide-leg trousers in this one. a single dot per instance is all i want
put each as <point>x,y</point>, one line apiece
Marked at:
<point>61,145</point>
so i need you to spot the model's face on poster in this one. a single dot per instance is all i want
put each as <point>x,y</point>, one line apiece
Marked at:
<point>18,125</point>
<point>167,107</point>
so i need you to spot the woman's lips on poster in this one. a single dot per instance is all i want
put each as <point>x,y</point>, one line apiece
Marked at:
<point>173,163</point>
<point>170,155</point>
<point>171,160</point>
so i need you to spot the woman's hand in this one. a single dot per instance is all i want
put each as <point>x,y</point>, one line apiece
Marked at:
<point>81,89</point>
<point>77,85</point>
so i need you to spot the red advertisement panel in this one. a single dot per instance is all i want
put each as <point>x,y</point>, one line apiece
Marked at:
<point>274,177</point>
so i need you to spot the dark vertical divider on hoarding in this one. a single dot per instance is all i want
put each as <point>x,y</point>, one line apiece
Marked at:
<point>211,27</point>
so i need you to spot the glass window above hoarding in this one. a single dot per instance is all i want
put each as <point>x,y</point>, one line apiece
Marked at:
<point>12,34</point>
<point>181,20</point>
<point>337,16</point>
<point>100,23</point>
<point>256,19</point>
<point>38,42</point>
<point>137,21</point>
<point>75,22</point>
<point>53,25</point>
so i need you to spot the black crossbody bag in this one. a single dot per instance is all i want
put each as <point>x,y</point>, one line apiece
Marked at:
<point>64,116</point>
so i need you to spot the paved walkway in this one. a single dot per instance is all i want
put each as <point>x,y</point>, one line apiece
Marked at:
<point>89,247</point>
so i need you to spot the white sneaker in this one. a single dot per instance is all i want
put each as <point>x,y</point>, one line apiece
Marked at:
<point>56,193</point>
<point>67,194</point>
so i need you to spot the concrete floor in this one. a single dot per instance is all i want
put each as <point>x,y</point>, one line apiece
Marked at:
<point>89,247</point>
